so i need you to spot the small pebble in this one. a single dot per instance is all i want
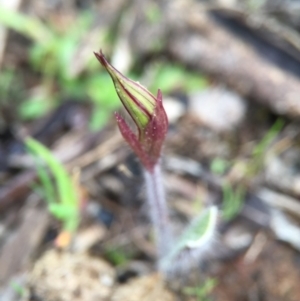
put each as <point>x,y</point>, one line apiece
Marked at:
<point>218,108</point>
<point>174,108</point>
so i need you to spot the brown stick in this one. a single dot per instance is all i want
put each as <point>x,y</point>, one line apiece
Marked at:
<point>199,40</point>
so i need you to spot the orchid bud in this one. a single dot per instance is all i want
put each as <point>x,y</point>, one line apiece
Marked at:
<point>146,111</point>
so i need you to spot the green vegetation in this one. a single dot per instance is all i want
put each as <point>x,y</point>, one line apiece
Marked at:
<point>63,202</point>
<point>116,256</point>
<point>100,89</point>
<point>153,13</point>
<point>198,234</point>
<point>6,79</point>
<point>233,200</point>
<point>18,288</point>
<point>169,77</point>
<point>55,55</point>
<point>259,152</point>
<point>201,292</point>
<point>219,166</point>
<point>28,26</point>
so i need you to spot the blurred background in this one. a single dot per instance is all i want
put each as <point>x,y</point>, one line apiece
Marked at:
<point>73,219</point>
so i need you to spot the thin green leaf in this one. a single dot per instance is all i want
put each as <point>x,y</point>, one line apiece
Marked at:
<point>28,26</point>
<point>48,187</point>
<point>64,184</point>
<point>261,147</point>
<point>232,200</point>
<point>197,235</point>
<point>62,212</point>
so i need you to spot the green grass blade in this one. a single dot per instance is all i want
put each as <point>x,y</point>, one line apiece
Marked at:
<point>48,187</point>
<point>28,26</point>
<point>261,147</point>
<point>197,235</point>
<point>233,200</point>
<point>64,184</point>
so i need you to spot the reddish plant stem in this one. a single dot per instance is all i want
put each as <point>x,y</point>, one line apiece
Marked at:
<point>158,209</point>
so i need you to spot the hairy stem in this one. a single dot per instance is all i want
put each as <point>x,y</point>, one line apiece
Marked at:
<point>158,210</point>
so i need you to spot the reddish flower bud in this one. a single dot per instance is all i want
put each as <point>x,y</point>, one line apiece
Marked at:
<point>147,112</point>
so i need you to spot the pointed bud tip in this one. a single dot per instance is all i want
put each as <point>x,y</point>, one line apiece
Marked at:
<point>159,95</point>
<point>101,58</point>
